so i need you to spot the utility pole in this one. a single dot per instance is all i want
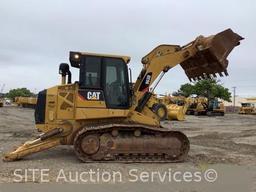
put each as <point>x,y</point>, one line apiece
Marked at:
<point>234,96</point>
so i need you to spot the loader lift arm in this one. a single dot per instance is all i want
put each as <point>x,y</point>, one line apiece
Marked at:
<point>200,59</point>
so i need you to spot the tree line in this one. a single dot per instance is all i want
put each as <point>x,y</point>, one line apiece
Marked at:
<point>19,92</point>
<point>209,88</point>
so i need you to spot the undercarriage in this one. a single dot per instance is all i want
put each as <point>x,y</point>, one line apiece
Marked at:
<point>130,143</point>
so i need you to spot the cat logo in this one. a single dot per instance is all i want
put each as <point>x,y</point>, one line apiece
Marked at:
<point>93,95</point>
<point>146,82</point>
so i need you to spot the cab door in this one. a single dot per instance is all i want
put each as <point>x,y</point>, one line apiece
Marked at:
<point>116,83</point>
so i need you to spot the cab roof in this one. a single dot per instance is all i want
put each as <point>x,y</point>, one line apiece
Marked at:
<point>74,57</point>
<point>125,58</point>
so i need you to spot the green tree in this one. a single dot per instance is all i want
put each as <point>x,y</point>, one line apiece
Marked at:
<point>210,88</point>
<point>19,92</point>
<point>186,90</point>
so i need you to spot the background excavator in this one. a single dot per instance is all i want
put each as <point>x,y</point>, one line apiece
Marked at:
<point>215,108</point>
<point>107,118</point>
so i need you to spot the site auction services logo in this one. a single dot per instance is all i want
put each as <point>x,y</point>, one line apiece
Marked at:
<point>103,176</point>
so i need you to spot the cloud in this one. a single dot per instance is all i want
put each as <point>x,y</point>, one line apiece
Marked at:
<point>36,36</point>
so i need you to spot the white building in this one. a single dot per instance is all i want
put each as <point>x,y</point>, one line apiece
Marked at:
<point>240,100</point>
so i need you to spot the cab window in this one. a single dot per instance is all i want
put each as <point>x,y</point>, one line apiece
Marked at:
<point>116,83</point>
<point>90,72</point>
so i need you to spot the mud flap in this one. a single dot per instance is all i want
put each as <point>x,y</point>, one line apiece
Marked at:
<point>211,58</point>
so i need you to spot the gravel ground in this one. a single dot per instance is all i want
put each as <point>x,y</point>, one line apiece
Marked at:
<point>228,142</point>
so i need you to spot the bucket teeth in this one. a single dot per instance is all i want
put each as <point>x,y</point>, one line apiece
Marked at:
<point>220,74</point>
<point>211,58</point>
<point>226,72</point>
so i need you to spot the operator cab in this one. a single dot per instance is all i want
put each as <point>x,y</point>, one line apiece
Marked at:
<point>105,77</point>
<point>247,104</point>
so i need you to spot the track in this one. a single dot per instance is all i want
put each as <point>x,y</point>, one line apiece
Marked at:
<point>130,143</point>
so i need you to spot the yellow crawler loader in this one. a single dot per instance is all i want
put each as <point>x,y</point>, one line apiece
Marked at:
<point>107,118</point>
<point>247,109</point>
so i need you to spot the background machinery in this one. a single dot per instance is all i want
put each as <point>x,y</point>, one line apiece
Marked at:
<point>197,106</point>
<point>26,102</point>
<point>107,119</point>
<point>176,106</point>
<point>247,108</point>
<point>203,106</point>
<point>215,107</point>
<point>158,107</point>
<point>1,96</point>
<point>1,102</point>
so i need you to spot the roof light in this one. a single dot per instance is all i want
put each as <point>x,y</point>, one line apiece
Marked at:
<point>76,56</point>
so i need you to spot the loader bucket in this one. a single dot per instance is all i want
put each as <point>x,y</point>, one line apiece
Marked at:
<point>211,57</point>
<point>175,112</point>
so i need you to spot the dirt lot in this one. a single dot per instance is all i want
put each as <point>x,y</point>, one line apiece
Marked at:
<point>227,141</point>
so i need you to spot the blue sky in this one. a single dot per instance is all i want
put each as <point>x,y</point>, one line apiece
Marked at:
<point>36,36</point>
